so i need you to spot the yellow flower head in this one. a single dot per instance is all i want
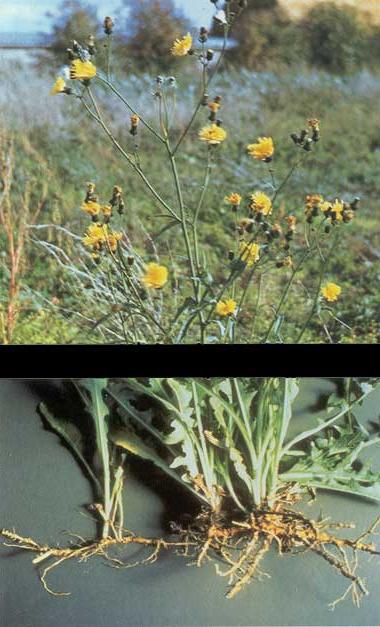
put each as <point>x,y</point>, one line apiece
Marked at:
<point>234,199</point>
<point>155,276</point>
<point>226,307</point>
<point>106,210</point>
<point>291,221</point>
<point>112,239</point>
<point>95,236</point>
<point>314,200</point>
<point>262,150</point>
<point>214,106</point>
<point>261,203</point>
<point>325,206</point>
<point>181,47</point>
<point>314,124</point>
<point>249,253</point>
<point>212,134</point>
<point>91,208</point>
<point>59,86</point>
<point>337,208</point>
<point>331,291</point>
<point>245,223</point>
<point>82,70</point>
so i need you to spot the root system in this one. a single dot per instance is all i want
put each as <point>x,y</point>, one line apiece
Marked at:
<point>237,547</point>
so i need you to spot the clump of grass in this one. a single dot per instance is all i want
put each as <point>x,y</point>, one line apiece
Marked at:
<point>226,443</point>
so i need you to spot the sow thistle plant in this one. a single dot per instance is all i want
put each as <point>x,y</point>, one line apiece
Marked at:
<point>234,447</point>
<point>204,301</point>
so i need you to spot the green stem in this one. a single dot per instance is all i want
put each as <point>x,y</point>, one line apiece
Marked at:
<point>285,294</point>
<point>129,106</point>
<point>99,119</point>
<point>185,233</point>
<point>317,292</point>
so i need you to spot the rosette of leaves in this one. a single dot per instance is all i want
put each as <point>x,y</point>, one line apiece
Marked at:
<point>226,440</point>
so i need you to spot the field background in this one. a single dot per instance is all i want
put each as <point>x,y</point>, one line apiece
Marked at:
<point>58,149</point>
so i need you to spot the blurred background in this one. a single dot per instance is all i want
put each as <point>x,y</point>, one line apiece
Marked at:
<point>287,60</point>
<point>338,36</point>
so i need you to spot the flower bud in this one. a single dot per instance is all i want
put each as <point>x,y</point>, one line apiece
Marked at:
<point>134,124</point>
<point>307,145</point>
<point>91,45</point>
<point>203,34</point>
<point>108,25</point>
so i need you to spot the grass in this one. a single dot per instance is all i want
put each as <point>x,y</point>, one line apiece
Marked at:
<point>59,147</point>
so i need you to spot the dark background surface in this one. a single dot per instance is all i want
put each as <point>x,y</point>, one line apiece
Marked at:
<point>42,496</point>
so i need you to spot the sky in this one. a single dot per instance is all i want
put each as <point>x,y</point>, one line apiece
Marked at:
<point>29,16</point>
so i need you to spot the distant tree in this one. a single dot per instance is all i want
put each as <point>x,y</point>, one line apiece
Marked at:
<point>152,26</point>
<point>73,20</point>
<point>334,37</point>
<point>263,33</point>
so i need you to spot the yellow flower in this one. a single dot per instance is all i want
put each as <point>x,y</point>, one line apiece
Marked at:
<point>263,149</point>
<point>91,208</point>
<point>181,47</point>
<point>106,210</point>
<point>155,276</point>
<point>314,200</point>
<point>58,87</point>
<point>261,203</point>
<point>325,206</point>
<point>112,239</point>
<point>314,124</point>
<point>291,221</point>
<point>212,134</point>
<point>233,199</point>
<point>82,70</point>
<point>226,307</point>
<point>95,236</point>
<point>337,208</point>
<point>331,291</point>
<point>214,106</point>
<point>249,253</point>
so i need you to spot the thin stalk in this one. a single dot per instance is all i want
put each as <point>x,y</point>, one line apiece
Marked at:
<point>185,233</point>
<point>205,86</point>
<point>136,168</point>
<point>287,177</point>
<point>317,292</point>
<point>285,294</point>
<point>199,207</point>
<point>109,40</point>
<point>131,109</point>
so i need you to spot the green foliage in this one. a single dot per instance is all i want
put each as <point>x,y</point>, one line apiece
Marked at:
<point>231,436</point>
<point>152,26</point>
<point>330,37</point>
<point>336,41</point>
<point>74,20</point>
<point>264,36</point>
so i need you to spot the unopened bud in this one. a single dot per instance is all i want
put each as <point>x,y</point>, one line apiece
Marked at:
<point>203,34</point>
<point>91,44</point>
<point>307,145</point>
<point>108,25</point>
